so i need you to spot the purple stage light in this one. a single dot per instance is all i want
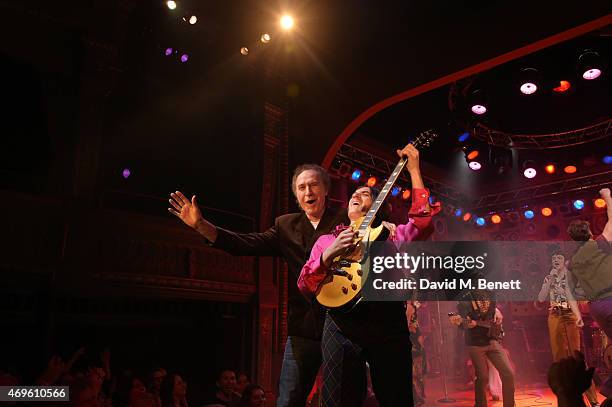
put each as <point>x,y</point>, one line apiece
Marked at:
<point>479,109</point>
<point>474,165</point>
<point>126,173</point>
<point>168,52</point>
<point>528,88</point>
<point>184,58</point>
<point>591,74</point>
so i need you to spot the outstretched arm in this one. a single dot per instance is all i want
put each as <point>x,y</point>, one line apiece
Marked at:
<point>189,212</point>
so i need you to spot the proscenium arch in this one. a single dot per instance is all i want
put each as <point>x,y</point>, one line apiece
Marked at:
<point>472,70</point>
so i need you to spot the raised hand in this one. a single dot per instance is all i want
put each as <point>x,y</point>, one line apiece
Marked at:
<point>412,153</point>
<point>188,211</point>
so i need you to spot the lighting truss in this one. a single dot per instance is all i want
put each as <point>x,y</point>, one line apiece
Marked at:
<point>541,141</point>
<point>381,166</point>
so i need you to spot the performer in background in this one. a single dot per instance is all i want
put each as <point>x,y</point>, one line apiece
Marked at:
<point>291,237</point>
<point>564,317</point>
<point>376,331</point>
<point>591,266</point>
<point>477,316</point>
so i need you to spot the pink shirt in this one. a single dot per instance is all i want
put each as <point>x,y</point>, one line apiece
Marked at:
<point>417,228</point>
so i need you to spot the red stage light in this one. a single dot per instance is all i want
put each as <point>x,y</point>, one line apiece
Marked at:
<point>371,182</point>
<point>546,211</point>
<point>406,194</point>
<point>600,203</point>
<point>563,86</point>
<point>570,169</point>
<point>467,216</point>
<point>473,154</point>
<point>550,169</point>
<point>496,219</point>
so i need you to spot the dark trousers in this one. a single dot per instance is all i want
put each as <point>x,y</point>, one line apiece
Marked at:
<point>498,357</point>
<point>344,377</point>
<point>301,362</point>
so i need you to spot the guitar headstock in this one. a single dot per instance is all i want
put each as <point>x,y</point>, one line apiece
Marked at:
<point>424,139</point>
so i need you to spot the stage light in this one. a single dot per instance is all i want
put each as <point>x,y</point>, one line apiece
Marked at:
<point>529,170</point>
<point>356,175</point>
<point>578,204</point>
<point>467,216</point>
<point>479,109</point>
<point>193,20</point>
<point>474,165</point>
<point>607,159</point>
<point>265,38</point>
<point>589,65</point>
<point>550,168</point>
<point>171,4</point>
<point>600,203</point>
<point>480,221</point>
<point>286,22</point>
<point>529,214</point>
<point>570,169</point>
<point>126,173</point>
<point>184,58</point>
<point>546,211</point>
<point>500,159</point>
<point>371,182</point>
<point>563,86</point>
<point>244,51</point>
<point>464,137</point>
<point>458,212</point>
<point>168,52</point>
<point>496,219</point>
<point>406,194</point>
<point>473,154</point>
<point>396,191</point>
<point>529,79</point>
<point>478,101</point>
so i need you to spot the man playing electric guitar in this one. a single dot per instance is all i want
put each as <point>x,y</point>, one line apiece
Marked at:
<point>377,331</point>
<point>477,315</point>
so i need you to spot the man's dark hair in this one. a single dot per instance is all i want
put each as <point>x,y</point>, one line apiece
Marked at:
<point>579,230</point>
<point>323,175</point>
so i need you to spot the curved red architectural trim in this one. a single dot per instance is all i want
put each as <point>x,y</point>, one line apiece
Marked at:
<point>474,69</point>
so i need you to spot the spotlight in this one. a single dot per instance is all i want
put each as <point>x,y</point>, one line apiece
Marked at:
<point>244,51</point>
<point>563,86</point>
<point>589,65</point>
<point>599,203</point>
<point>265,38</point>
<point>171,4</point>
<point>478,102</point>
<point>464,137</point>
<point>529,214</point>
<point>570,169</point>
<point>474,165</point>
<point>550,169</point>
<point>406,194</point>
<point>480,221</point>
<point>396,191</point>
<point>472,154</point>
<point>607,159</point>
<point>356,175</point>
<point>458,212</point>
<point>126,174</point>
<point>496,219</point>
<point>193,20</point>
<point>578,204</point>
<point>184,58</point>
<point>500,159</point>
<point>467,216</point>
<point>371,182</point>
<point>168,52</point>
<point>529,80</point>
<point>529,170</point>
<point>286,22</point>
<point>546,211</point>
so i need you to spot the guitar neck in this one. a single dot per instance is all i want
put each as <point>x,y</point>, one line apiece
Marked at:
<point>380,199</point>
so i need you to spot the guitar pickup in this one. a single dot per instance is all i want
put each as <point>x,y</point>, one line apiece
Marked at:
<point>340,272</point>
